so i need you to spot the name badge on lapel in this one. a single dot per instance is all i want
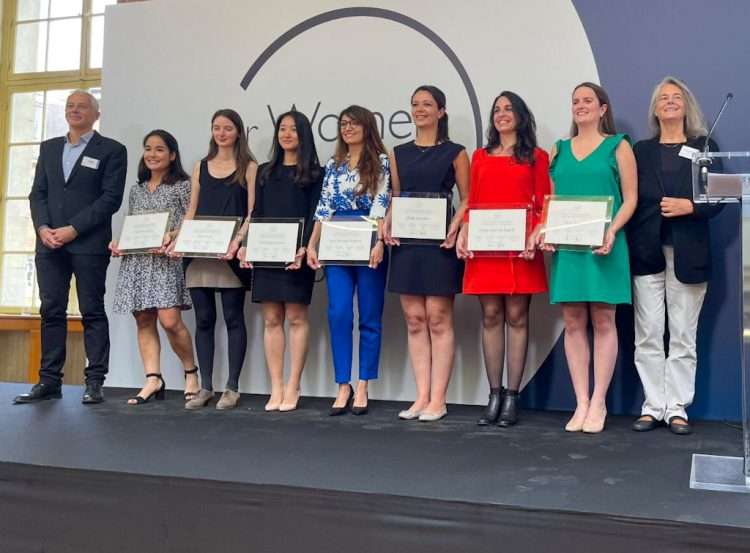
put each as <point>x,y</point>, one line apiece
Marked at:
<point>687,152</point>
<point>90,162</point>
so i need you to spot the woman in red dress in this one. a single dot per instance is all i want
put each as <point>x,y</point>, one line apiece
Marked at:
<point>509,170</point>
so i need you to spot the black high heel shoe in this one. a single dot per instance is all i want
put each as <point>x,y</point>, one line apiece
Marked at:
<point>190,395</point>
<point>336,411</point>
<point>159,394</point>
<point>360,410</point>
<point>509,410</point>
<point>492,411</point>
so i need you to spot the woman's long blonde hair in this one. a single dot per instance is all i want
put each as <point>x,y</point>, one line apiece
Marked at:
<point>694,123</point>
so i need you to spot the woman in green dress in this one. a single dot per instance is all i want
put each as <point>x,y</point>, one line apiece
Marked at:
<point>595,161</point>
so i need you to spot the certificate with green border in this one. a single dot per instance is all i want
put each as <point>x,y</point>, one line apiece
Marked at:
<point>576,222</point>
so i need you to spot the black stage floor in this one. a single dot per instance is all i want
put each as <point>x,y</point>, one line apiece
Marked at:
<point>157,478</point>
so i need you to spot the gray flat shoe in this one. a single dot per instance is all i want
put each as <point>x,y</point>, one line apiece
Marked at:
<point>200,400</point>
<point>229,400</point>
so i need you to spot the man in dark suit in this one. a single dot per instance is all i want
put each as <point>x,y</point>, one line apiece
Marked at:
<point>78,186</point>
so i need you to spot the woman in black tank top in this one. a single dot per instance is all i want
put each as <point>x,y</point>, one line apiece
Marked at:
<point>223,185</point>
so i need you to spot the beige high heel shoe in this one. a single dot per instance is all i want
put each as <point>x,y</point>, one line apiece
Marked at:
<point>595,421</point>
<point>272,405</point>
<point>286,406</point>
<point>575,424</point>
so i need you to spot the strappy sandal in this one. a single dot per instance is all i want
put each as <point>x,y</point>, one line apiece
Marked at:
<point>157,394</point>
<point>191,395</point>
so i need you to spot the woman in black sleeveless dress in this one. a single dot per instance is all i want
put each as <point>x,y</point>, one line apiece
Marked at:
<point>428,276</point>
<point>223,185</point>
<point>287,187</point>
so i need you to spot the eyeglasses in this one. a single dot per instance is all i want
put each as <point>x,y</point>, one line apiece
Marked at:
<point>344,123</point>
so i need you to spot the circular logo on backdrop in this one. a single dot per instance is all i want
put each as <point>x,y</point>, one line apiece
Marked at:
<point>377,13</point>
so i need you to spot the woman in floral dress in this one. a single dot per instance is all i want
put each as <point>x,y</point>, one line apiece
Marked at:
<point>151,286</point>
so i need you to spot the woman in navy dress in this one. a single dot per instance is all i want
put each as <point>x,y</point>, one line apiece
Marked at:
<point>428,276</point>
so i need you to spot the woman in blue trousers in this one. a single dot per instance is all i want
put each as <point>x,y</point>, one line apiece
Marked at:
<point>356,183</point>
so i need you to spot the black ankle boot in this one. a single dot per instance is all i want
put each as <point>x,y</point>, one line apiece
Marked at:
<point>509,410</point>
<point>492,410</point>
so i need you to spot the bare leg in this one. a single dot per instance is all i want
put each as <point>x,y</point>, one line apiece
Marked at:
<point>577,354</point>
<point>360,394</point>
<point>442,338</point>
<point>493,338</point>
<point>342,395</point>
<point>605,356</point>
<point>182,344</point>
<point>274,343</point>
<point>419,347</point>
<point>150,349</point>
<point>517,321</point>
<point>299,332</point>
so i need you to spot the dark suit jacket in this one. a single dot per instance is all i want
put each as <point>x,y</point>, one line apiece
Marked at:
<point>89,198</point>
<point>690,233</point>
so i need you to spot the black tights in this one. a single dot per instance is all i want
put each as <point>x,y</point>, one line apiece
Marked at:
<point>233,306</point>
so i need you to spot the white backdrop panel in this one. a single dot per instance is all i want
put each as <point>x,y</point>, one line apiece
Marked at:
<point>171,63</point>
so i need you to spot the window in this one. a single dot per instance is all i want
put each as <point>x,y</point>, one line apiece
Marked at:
<point>50,47</point>
<point>57,35</point>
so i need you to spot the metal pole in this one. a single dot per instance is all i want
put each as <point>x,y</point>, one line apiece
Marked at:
<point>745,304</point>
<point>718,472</point>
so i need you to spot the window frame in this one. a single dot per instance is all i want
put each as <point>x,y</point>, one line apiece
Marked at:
<point>13,83</point>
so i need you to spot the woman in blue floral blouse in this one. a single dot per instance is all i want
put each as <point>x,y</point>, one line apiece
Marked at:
<point>356,183</point>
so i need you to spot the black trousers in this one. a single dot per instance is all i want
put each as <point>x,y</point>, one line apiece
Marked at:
<point>233,307</point>
<point>53,273</point>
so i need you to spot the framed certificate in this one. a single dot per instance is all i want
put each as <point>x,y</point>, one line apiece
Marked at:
<point>273,242</point>
<point>499,230</point>
<point>206,236</point>
<point>143,232</point>
<point>576,222</point>
<point>420,218</point>
<point>347,241</point>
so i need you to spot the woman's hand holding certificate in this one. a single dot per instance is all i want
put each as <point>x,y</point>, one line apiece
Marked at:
<point>498,230</point>
<point>142,233</point>
<point>273,243</point>
<point>578,222</point>
<point>420,218</point>
<point>346,242</point>
<point>207,237</point>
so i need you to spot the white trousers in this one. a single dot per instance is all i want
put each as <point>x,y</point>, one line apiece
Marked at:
<point>668,382</point>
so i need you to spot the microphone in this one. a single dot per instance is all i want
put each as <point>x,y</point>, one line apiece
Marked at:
<point>728,98</point>
<point>704,162</point>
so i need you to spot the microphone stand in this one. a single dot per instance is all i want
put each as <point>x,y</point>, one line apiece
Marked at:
<point>704,162</point>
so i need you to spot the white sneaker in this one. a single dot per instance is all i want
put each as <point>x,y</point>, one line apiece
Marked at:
<point>408,415</point>
<point>431,417</point>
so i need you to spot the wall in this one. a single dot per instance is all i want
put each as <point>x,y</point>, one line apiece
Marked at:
<point>188,61</point>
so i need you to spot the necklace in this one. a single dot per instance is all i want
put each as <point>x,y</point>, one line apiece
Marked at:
<point>423,149</point>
